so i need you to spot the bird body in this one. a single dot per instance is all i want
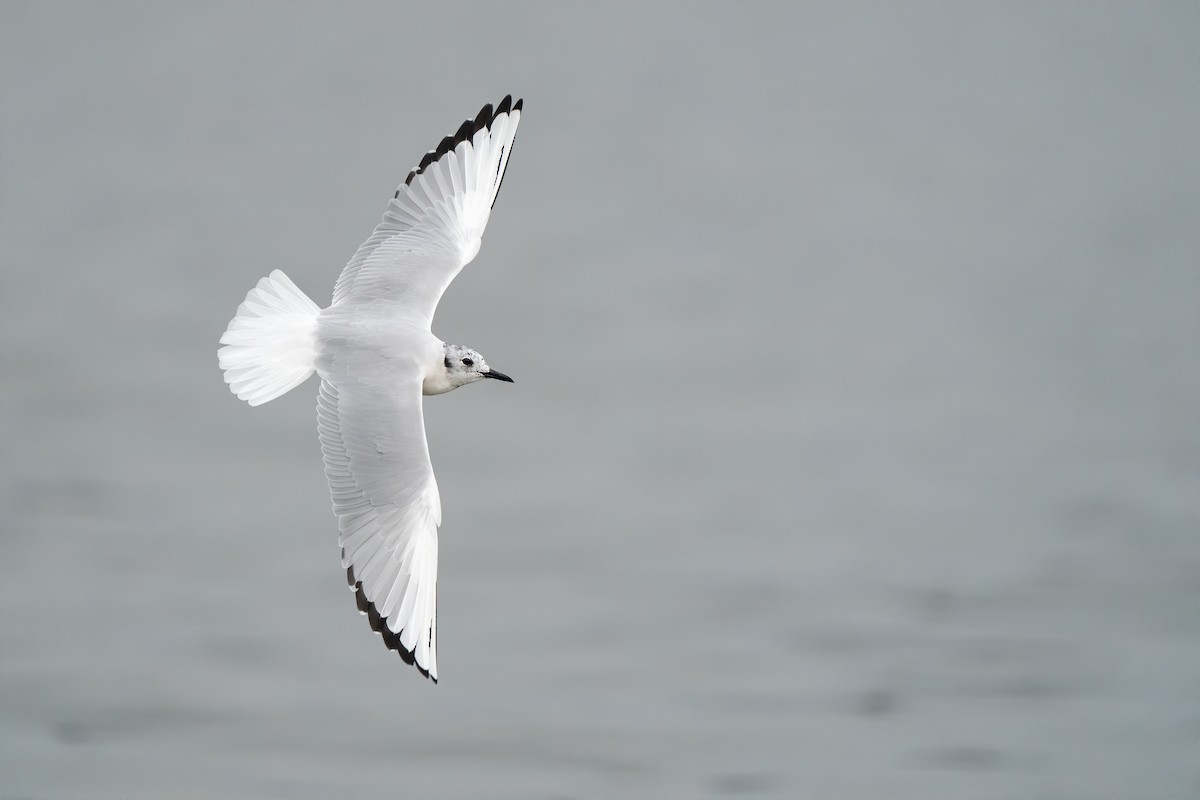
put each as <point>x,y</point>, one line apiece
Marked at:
<point>376,356</point>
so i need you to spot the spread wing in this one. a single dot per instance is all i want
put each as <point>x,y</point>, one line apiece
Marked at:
<point>386,500</point>
<point>433,226</point>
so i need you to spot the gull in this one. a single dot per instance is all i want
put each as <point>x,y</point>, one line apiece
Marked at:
<point>376,355</point>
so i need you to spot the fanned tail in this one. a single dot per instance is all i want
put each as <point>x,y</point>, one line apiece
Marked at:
<point>270,345</point>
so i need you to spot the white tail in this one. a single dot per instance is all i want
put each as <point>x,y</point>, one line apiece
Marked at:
<point>270,346</point>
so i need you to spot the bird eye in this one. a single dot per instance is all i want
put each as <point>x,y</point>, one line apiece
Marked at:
<point>468,362</point>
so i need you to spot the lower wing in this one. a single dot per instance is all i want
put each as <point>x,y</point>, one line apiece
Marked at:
<point>386,500</point>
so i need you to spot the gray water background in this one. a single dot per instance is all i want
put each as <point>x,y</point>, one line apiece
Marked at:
<point>852,452</point>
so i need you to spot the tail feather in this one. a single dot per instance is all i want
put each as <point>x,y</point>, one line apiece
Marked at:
<point>270,345</point>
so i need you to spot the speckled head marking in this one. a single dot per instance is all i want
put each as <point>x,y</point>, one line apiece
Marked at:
<point>464,365</point>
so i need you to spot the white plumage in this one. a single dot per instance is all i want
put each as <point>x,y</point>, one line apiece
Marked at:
<point>271,342</point>
<point>376,356</point>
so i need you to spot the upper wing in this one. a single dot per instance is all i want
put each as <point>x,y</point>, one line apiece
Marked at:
<point>388,510</point>
<point>433,226</point>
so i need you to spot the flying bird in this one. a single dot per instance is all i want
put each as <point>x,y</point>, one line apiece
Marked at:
<point>376,356</point>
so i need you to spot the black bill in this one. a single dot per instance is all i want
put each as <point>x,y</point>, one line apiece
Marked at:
<point>500,376</point>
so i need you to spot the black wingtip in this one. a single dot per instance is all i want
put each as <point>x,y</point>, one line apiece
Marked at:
<point>482,120</point>
<point>465,132</point>
<point>391,640</point>
<point>517,106</point>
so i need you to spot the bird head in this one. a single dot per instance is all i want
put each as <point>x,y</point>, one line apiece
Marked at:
<point>464,365</point>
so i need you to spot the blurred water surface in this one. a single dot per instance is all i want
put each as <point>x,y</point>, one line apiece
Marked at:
<point>852,451</point>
